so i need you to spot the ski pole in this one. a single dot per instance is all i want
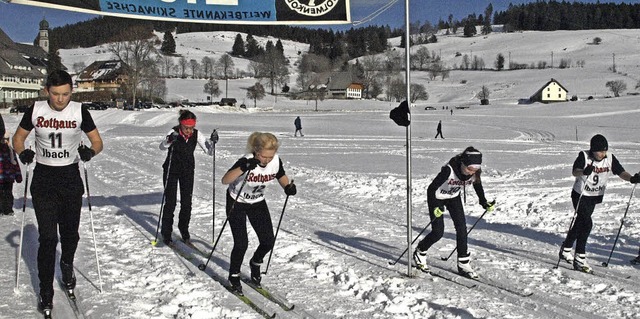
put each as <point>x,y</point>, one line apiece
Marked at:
<point>204,266</point>
<point>573,219</point>
<point>164,190</point>
<point>276,236</point>
<point>24,207</point>
<point>93,230</point>
<point>469,231</point>
<point>414,240</point>
<point>633,190</point>
<point>214,139</point>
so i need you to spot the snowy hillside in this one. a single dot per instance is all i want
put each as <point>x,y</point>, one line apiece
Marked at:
<point>349,218</point>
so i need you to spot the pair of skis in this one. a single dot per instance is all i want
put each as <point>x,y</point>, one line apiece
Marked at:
<point>471,283</point>
<point>280,301</point>
<point>73,302</point>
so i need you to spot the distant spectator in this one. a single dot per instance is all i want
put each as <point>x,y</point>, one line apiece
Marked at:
<point>439,130</point>
<point>298,123</point>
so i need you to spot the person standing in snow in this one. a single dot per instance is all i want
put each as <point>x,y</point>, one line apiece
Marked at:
<point>178,167</point>
<point>298,124</point>
<point>591,169</point>
<point>247,179</point>
<point>439,130</point>
<point>9,173</point>
<point>57,187</point>
<point>444,192</point>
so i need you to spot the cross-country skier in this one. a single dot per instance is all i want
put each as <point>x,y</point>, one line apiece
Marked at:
<point>179,167</point>
<point>591,169</point>
<point>444,192</point>
<point>57,187</point>
<point>260,166</point>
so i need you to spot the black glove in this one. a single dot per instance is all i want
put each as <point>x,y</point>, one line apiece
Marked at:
<point>172,137</point>
<point>26,157</point>
<point>214,137</point>
<point>290,189</point>
<point>635,179</point>
<point>248,164</point>
<point>587,170</point>
<point>86,153</point>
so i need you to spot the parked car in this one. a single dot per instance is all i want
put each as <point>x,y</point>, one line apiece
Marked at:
<point>428,108</point>
<point>18,109</point>
<point>228,101</point>
<point>94,106</point>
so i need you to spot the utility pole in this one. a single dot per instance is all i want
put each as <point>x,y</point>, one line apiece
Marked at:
<point>509,60</point>
<point>552,59</point>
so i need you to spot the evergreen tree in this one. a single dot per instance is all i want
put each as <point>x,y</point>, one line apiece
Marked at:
<point>53,61</point>
<point>168,44</point>
<point>253,48</point>
<point>238,46</point>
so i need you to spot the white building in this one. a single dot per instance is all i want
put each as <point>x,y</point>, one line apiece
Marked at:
<point>552,91</point>
<point>22,67</point>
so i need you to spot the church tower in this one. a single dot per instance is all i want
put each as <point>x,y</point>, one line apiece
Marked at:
<point>44,35</point>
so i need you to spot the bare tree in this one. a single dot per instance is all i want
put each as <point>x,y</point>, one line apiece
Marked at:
<point>256,92</point>
<point>273,68</point>
<point>483,95</point>
<point>224,67</point>
<point>371,65</point>
<point>317,93</point>
<point>207,67</point>
<point>421,58</point>
<point>182,67</point>
<point>136,52</point>
<point>78,67</point>
<point>154,86</point>
<point>166,64</point>
<point>212,88</point>
<point>195,68</point>
<point>310,65</point>
<point>418,92</point>
<point>616,87</point>
<point>397,89</point>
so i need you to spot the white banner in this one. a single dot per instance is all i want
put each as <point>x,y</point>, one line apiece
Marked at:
<point>285,12</point>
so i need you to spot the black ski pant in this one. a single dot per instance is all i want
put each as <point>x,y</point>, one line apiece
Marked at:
<point>581,229</point>
<point>57,200</point>
<point>456,211</point>
<point>185,179</point>
<point>260,219</point>
<point>439,133</point>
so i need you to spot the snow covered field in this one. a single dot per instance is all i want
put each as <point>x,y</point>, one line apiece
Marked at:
<point>349,217</point>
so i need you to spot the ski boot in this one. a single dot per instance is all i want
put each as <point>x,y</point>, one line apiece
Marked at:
<point>420,260</point>
<point>68,275</point>
<point>580,264</point>
<point>256,278</point>
<point>565,254</point>
<point>464,267</point>
<point>45,302</point>
<point>234,284</point>
<point>167,240</point>
<point>636,261</point>
<point>186,237</point>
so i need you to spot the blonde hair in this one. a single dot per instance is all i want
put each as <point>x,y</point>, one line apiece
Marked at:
<point>259,141</point>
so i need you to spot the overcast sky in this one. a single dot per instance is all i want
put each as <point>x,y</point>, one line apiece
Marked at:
<point>20,22</point>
